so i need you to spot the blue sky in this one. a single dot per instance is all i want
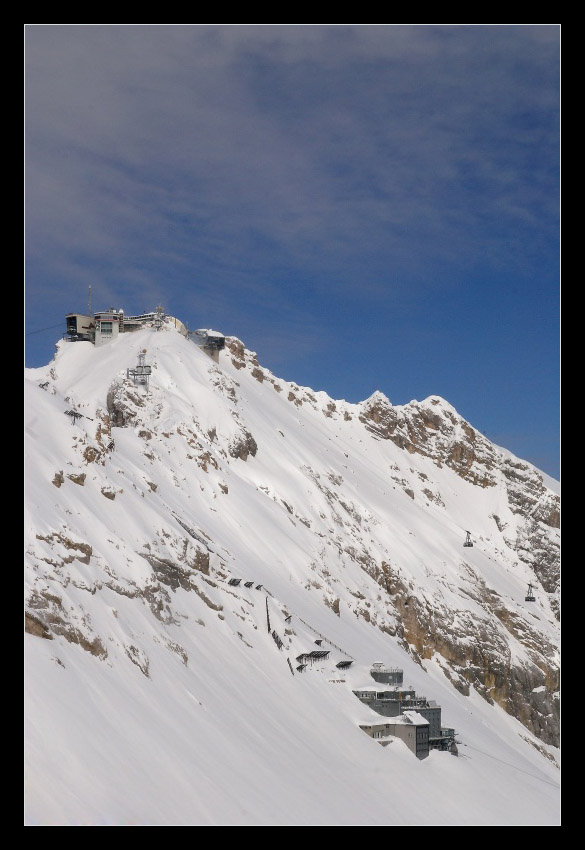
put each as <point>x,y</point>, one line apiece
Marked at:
<point>369,207</point>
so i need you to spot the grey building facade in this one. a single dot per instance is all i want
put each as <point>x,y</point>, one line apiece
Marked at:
<point>386,675</point>
<point>410,728</point>
<point>395,701</point>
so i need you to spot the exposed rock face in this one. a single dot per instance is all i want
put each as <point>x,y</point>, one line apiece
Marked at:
<point>241,357</point>
<point>434,429</point>
<point>34,626</point>
<point>243,446</point>
<point>536,541</point>
<point>176,575</point>
<point>51,618</point>
<point>77,478</point>
<point>123,403</point>
<point>473,653</point>
<point>175,563</point>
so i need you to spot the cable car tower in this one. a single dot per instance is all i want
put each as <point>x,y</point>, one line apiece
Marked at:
<point>468,541</point>
<point>74,414</point>
<point>530,594</point>
<point>141,373</point>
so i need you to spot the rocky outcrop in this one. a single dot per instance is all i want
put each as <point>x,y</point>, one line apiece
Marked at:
<point>175,575</point>
<point>242,446</point>
<point>77,478</point>
<point>433,428</point>
<point>79,551</point>
<point>536,541</point>
<point>34,626</point>
<point>474,654</point>
<point>241,356</point>
<point>123,403</point>
<point>139,658</point>
<point>47,617</point>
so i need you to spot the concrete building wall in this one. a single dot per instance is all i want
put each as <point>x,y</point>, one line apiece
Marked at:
<point>179,325</point>
<point>387,676</point>
<point>107,326</point>
<point>377,730</point>
<point>422,741</point>
<point>433,715</point>
<point>406,734</point>
<point>387,708</point>
<point>415,736</point>
<point>394,703</point>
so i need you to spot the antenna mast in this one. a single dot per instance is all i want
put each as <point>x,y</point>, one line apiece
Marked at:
<point>89,304</point>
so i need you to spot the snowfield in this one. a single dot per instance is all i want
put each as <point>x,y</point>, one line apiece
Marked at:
<point>155,693</point>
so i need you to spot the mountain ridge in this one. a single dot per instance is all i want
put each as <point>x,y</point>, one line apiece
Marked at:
<point>336,510</point>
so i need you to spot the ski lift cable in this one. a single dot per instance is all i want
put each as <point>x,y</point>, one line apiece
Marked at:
<point>511,765</point>
<point>41,330</point>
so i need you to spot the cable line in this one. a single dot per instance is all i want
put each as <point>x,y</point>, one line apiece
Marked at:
<point>511,765</point>
<point>30,333</point>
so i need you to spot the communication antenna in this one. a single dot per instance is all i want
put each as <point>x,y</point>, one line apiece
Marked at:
<point>89,302</point>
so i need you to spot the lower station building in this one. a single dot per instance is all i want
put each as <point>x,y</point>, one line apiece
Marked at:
<point>396,702</point>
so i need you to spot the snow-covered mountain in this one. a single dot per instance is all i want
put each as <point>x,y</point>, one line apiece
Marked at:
<point>157,693</point>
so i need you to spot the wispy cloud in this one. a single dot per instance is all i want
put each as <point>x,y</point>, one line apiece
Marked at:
<point>291,182</point>
<point>259,148</point>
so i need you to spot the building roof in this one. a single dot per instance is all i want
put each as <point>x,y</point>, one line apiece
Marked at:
<point>412,718</point>
<point>407,718</point>
<point>382,721</point>
<point>382,687</point>
<point>209,332</point>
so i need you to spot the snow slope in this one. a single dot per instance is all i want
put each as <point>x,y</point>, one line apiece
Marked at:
<point>155,693</point>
